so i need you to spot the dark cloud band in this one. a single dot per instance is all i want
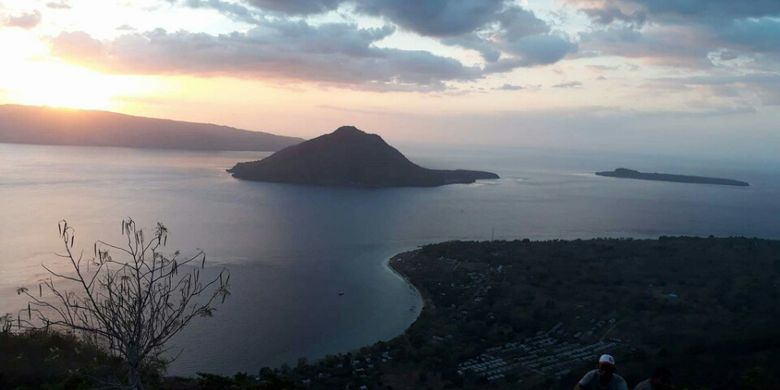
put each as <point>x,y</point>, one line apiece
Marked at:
<point>330,53</point>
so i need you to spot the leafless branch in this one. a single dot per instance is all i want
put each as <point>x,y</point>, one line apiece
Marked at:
<point>134,306</point>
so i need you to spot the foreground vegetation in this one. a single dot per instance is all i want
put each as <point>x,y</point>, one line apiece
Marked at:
<point>706,308</point>
<point>48,360</point>
<point>122,306</point>
<point>699,306</point>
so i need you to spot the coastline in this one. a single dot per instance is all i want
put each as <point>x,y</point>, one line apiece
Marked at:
<point>417,292</point>
<point>623,173</point>
<point>465,321</point>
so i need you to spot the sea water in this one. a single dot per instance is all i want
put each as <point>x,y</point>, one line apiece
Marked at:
<point>308,264</point>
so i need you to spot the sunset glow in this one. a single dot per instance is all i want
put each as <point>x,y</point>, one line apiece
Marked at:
<point>30,76</point>
<point>62,85</point>
<point>526,73</point>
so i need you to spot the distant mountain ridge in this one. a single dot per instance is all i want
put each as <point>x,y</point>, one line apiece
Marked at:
<point>51,126</point>
<point>349,157</point>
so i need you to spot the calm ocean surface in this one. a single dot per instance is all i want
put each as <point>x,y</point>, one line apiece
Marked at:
<point>292,249</point>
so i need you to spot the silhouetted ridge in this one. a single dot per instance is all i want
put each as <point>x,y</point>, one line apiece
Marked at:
<point>349,157</point>
<point>348,130</point>
<point>51,126</point>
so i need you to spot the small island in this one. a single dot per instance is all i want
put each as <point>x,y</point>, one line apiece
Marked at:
<point>624,173</point>
<point>349,157</point>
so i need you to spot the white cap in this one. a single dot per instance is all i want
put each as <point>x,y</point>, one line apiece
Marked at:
<point>607,359</point>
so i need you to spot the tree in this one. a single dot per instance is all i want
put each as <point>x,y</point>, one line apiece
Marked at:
<point>132,305</point>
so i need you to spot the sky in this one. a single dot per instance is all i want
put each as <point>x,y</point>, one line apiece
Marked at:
<point>652,76</point>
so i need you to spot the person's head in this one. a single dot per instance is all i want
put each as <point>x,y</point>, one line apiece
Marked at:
<point>661,379</point>
<point>606,366</point>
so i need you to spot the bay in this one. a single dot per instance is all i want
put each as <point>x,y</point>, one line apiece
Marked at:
<point>308,264</point>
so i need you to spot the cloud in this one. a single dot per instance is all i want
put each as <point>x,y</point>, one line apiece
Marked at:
<point>516,87</point>
<point>517,38</point>
<point>499,30</point>
<point>744,90</point>
<point>683,33</point>
<point>526,41</point>
<point>706,10</point>
<point>602,68</point>
<point>666,45</point>
<point>506,35</point>
<point>677,11</point>
<point>510,87</point>
<point>539,49</point>
<point>61,4</point>
<point>290,48</point>
<point>570,84</point>
<point>486,48</point>
<point>233,10</point>
<point>760,35</point>
<point>78,45</point>
<point>609,14</point>
<point>687,45</point>
<point>431,17</point>
<point>437,18</point>
<point>297,7</point>
<point>535,50</point>
<point>26,20</point>
<point>337,53</point>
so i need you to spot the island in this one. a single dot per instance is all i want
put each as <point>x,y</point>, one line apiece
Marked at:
<point>624,173</point>
<point>58,126</point>
<point>349,157</point>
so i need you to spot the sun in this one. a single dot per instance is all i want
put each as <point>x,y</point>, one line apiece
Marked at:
<point>28,75</point>
<point>62,85</point>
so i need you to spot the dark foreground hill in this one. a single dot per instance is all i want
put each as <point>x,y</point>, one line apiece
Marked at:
<point>531,315</point>
<point>536,315</point>
<point>50,126</point>
<point>349,157</point>
<point>624,173</point>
